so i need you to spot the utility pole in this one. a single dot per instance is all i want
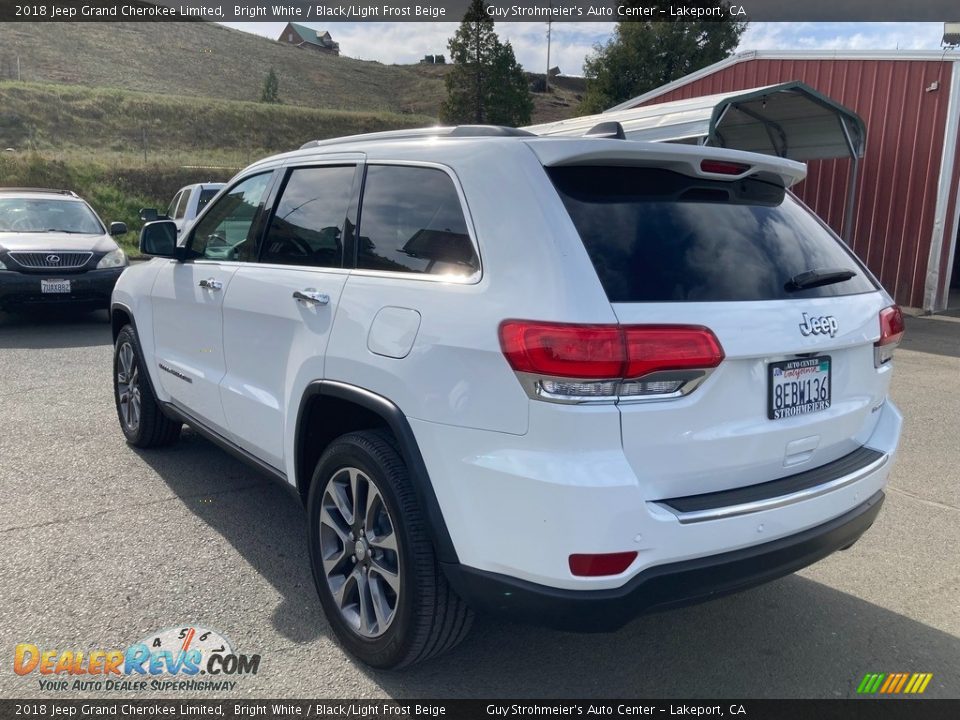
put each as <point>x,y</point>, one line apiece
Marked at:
<point>18,68</point>
<point>546,78</point>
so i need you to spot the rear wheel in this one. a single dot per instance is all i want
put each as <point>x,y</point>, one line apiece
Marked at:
<point>141,419</point>
<point>378,578</point>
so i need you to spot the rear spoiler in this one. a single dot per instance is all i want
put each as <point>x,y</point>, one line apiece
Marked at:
<point>693,160</point>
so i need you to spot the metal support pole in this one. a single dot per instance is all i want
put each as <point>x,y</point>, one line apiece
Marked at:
<point>848,210</point>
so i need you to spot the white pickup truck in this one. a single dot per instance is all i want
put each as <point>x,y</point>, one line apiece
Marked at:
<point>186,204</point>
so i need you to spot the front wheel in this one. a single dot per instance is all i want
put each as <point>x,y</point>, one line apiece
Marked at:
<point>143,423</point>
<point>378,578</point>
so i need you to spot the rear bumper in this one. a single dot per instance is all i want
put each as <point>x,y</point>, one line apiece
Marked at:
<point>662,586</point>
<point>519,506</point>
<point>92,288</point>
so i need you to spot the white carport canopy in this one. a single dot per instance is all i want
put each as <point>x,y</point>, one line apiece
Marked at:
<point>790,120</point>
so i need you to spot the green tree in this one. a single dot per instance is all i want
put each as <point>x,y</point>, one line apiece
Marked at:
<point>486,84</point>
<point>644,55</point>
<point>271,88</point>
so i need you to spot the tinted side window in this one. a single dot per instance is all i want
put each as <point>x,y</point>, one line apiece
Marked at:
<point>226,231</point>
<point>172,209</point>
<point>307,227</point>
<point>411,221</point>
<point>658,236</point>
<point>184,202</point>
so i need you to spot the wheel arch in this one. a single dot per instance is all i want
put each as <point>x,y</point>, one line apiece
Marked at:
<point>329,409</point>
<point>121,315</point>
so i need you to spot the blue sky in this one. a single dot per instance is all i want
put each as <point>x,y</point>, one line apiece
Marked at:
<point>405,42</point>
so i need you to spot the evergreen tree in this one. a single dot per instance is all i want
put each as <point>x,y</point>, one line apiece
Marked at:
<point>271,88</point>
<point>644,55</point>
<point>486,84</point>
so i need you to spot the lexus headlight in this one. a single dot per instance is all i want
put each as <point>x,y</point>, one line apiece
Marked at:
<point>117,258</point>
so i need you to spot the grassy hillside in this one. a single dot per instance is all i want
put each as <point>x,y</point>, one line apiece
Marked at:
<point>117,193</point>
<point>126,113</point>
<point>205,59</point>
<point>112,126</point>
<point>209,60</point>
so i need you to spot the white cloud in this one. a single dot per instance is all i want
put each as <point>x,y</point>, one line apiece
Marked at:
<point>841,36</point>
<point>407,42</point>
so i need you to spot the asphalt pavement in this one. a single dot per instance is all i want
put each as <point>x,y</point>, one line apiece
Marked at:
<point>101,545</point>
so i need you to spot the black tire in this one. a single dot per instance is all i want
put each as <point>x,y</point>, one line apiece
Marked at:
<point>153,428</point>
<point>429,618</point>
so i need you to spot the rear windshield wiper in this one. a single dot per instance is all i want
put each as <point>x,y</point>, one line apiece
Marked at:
<point>818,278</point>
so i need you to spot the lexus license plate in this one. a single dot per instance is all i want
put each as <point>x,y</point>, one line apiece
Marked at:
<point>54,286</point>
<point>798,387</point>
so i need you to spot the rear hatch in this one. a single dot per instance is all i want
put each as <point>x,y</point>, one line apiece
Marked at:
<point>796,314</point>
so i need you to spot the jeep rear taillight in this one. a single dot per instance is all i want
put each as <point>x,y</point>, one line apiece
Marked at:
<point>578,363</point>
<point>891,333</point>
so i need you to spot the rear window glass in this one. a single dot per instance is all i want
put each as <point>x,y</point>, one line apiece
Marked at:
<point>654,235</point>
<point>205,197</point>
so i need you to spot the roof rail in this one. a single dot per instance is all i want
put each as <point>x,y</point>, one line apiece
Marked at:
<point>436,131</point>
<point>52,191</point>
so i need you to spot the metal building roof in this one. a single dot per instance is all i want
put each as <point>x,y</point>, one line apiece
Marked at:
<point>790,120</point>
<point>748,55</point>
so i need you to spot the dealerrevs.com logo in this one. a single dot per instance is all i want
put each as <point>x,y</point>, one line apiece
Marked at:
<point>187,658</point>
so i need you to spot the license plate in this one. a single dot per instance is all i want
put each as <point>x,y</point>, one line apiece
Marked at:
<point>798,387</point>
<point>54,286</point>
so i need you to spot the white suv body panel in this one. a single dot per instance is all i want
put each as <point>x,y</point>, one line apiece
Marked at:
<point>725,419</point>
<point>276,346</point>
<point>520,505</point>
<point>523,484</point>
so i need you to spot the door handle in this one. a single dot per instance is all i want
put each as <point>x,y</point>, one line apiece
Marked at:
<point>211,284</point>
<point>311,296</point>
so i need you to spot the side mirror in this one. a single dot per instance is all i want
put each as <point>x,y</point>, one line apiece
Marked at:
<point>159,238</point>
<point>118,228</point>
<point>149,214</point>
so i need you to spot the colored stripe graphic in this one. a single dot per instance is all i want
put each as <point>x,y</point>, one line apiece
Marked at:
<point>894,683</point>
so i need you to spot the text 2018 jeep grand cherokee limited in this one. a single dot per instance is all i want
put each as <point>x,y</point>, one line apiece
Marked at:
<point>568,379</point>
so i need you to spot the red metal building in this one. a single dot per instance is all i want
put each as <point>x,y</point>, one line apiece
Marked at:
<point>906,205</point>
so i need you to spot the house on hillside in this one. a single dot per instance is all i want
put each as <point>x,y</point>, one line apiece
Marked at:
<point>304,37</point>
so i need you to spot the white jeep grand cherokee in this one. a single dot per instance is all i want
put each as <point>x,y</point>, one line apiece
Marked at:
<point>568,380</point>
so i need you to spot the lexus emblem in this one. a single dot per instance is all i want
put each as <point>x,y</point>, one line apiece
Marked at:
<point>53,259</point>
<point>823,325</point>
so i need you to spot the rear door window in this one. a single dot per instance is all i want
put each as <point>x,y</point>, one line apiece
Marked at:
<point>411,221</point>
<point>307,227</point>
<point>654,235</point>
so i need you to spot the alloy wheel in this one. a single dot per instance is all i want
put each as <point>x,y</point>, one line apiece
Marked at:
<point>128,387</point>
<point>358,547</point>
